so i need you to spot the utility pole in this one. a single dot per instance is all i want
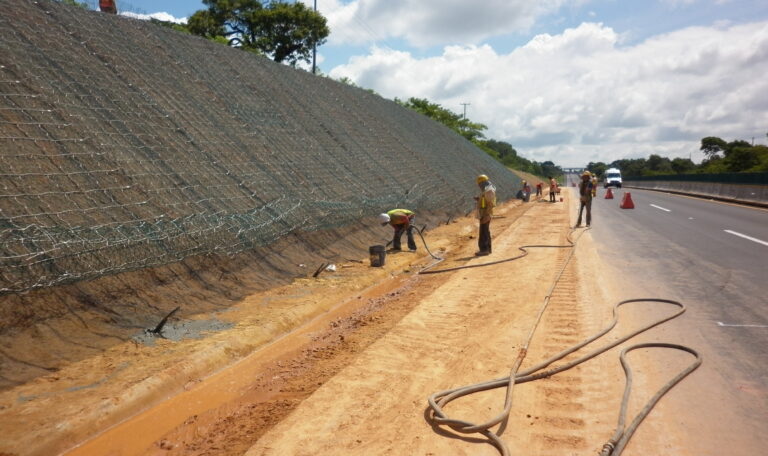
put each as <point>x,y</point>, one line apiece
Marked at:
<point>314,49</point>
<point>465,109</point>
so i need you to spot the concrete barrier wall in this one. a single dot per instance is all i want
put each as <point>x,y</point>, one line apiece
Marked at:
<point>748,194</point>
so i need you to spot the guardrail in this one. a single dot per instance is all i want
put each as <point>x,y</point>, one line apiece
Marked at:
<point>743,188</point>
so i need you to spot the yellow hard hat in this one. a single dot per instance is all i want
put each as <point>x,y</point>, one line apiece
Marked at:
<point>586,173</point>
<point>482,178</point>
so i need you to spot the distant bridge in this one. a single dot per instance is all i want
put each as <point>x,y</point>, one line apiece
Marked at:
<point>573,170</point>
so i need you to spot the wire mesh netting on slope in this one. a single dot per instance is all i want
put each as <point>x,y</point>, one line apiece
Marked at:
<point>125,145</point>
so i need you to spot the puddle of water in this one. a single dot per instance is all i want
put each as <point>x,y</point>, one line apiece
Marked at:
<point>190,329</point>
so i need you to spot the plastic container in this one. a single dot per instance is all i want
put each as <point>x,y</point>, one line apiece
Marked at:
<point>378,255</point>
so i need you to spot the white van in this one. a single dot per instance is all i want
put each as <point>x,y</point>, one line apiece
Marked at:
<point>612,178</point>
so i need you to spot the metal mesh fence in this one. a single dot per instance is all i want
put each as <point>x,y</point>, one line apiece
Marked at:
<point>125,145</point>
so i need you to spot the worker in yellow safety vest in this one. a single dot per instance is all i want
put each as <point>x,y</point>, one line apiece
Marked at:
<point>594,185</point>
<point>486,201</point>
<point>402,220</point>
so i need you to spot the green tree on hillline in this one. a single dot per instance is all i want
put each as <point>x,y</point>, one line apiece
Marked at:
<point>504,150</point>
<point>460,124</point>
<point>499,150</point>
<point>286,32</point>
<point>83,5</point>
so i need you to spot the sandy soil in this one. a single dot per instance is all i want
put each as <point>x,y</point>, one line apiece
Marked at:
<point>343,364</point>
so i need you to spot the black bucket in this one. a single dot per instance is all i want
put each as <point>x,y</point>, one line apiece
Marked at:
<point>378,255</point>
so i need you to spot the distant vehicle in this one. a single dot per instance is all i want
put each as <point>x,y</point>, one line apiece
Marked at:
<point>612,178</point>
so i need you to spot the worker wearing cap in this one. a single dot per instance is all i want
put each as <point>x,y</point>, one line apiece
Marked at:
<point>486,201</point>
<point>585,197</point>
<point>401,220</point>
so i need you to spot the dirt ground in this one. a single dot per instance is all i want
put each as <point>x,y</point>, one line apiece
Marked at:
<point>343,363</point>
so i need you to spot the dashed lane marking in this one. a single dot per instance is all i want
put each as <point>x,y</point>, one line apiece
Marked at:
<point>662,208</point>
<point>746,237</point>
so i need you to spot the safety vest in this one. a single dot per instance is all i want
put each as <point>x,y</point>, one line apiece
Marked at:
<point>399,216</point>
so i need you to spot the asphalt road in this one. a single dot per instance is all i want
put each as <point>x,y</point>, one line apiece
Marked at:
<point>713,257</point>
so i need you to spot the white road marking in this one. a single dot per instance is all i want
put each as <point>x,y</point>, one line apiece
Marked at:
<point>746,237</point>
<point>720,323</point>
<point>662,208</point>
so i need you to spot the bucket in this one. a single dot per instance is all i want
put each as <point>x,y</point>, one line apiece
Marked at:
<point>378,255</point>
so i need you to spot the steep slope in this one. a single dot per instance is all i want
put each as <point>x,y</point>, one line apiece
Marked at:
<point>134,158</point>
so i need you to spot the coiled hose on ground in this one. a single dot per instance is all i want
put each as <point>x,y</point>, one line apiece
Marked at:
<point>621,436</point>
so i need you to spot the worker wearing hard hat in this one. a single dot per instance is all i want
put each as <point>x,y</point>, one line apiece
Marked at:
<point>401,220</point>
<point>486,201</point>
<point>594,185</point>
<point>585,197</point>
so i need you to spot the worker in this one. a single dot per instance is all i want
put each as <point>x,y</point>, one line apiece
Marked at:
<point>585,197</point>
<point>525,191</point>
<point>539,191</point>
<point>594,185</point>
<point>552,189</point>
<point>402,220</point>
<point>486,201</point>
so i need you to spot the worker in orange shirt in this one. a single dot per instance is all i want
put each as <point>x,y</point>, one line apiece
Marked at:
<point>552,189</point>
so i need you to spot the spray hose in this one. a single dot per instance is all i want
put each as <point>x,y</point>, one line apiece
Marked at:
<point>621,436</point>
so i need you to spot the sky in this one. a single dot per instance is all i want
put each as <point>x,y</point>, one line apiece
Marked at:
<point>569,81</point>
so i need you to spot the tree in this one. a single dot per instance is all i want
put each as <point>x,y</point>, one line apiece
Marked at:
<point>736,144</point>
<point>656,164</point>
<point>548,168</point>
<point>287,32</point>
<point>712,146</point>
<point>741,158</point>
<point>503,149</point>
<point>597,168</point>
<point>630,167</point>
<point>458,123</point>
<point>683,165</point>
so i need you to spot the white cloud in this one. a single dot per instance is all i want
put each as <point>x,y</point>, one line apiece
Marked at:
<point>163,16</point>
<point>581,96</point>
<point>424,23</point>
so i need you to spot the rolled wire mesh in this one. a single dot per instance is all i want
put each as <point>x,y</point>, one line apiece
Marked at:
<point>125,145</point>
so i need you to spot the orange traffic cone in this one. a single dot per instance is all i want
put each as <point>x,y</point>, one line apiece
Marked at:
<point>626,202</point>
<point>609,194</point>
